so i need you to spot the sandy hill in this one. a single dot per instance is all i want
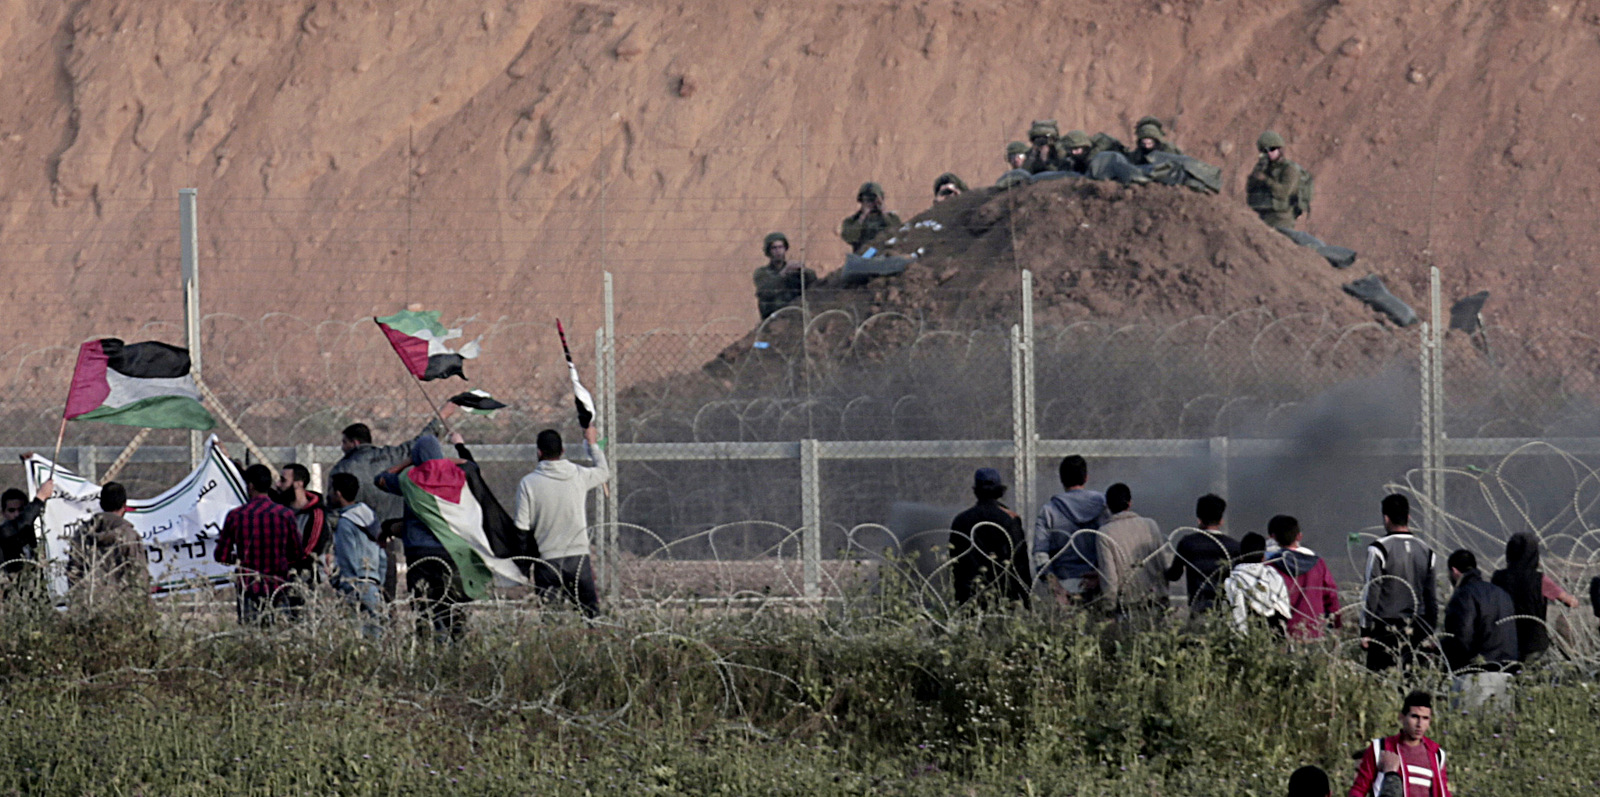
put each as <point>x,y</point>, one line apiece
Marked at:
<point>492,158</point>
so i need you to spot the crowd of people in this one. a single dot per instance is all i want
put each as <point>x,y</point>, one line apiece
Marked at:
<point>1278,190</point>
<point>1091,550</point>
<point>1094,553</point>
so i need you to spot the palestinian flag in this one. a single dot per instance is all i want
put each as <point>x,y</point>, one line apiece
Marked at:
<point>135,384</point>
<point>455,504</point>
<point>478,402</point>
<point>419,339</point>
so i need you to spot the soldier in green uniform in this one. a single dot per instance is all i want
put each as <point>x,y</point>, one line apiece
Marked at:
<point>947,185</point>
<point>1016,153</point>
<point>1078,150</point>
<point>859,228</point>
<point>1274,184</point>
<point>780,281</point>
<point>1149,137</point>
<point>1045,154</point>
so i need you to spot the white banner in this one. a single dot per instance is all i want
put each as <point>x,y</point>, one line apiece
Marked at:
<point>179,527</point>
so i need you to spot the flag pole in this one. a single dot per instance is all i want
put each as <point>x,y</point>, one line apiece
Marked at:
<point>61,435</point>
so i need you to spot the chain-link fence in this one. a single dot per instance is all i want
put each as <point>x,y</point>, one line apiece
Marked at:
<point>716,492</point>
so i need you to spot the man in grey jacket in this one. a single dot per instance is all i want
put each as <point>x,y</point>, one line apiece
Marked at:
<point>550,505</point>
<point>1401,599</point>
<point>365,461</point>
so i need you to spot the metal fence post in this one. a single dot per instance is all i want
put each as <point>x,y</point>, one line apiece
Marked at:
<point>606,364</point>
<point>1425,391</point>
<point>1436,466</point>
<point>810,519</point>
<point>1030,429</point>
<point>1019,430</point>
<point>1218,451</point>
<point>189,255</point>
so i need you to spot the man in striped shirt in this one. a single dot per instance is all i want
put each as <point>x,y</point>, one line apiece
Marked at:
<point>262,541</point>
<point>1408,757</point>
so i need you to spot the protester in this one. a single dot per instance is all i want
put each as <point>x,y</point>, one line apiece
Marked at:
<point>435,586</point>
<point>1256,589</point>
<point>1531,591</point>
<point>365,461</point>
<point>1310,781</point>
<point>550,505</point>
<point>1313,595</point>
<point>1409,757</point>
<point>359,561</point>
<point>107,552</point>
<point>1132,565</point>
<point>1400,601</point>
<point>261,540</point>
<point>18,540</point>
<point>988,546</point>
<point>310,519</point>
<point>1061,547</point>
<point>1478,619</point>
<point>1202,557</point>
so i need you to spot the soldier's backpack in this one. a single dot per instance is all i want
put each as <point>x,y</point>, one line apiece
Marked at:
<point>1301,201</point>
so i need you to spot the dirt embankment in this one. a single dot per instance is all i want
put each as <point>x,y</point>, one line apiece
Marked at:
<point>493,158</point>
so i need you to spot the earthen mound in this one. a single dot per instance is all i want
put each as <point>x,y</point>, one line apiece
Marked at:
<point>1097,251</point>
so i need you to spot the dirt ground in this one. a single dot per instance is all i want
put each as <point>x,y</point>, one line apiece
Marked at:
<point>492,159</point>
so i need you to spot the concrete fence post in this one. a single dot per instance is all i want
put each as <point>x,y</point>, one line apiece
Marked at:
<point>810,519</point>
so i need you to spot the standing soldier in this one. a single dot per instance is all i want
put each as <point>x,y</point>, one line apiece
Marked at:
<point>780,281</point>
<point>1274,185</point>
<point>859,228</point>
<point>1045,154</point>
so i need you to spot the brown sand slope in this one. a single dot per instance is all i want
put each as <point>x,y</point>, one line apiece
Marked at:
<point>492,159</point>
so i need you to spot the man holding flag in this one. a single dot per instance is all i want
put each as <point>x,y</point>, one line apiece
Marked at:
<point>550,505</point>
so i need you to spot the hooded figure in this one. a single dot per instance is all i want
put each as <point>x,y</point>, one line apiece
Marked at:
<point>1523,580</point>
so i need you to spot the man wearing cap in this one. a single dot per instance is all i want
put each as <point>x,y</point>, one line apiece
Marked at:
<point>1045,154</point>
<point>780,281</point>
<point>988,547</point>
<point>1274,184</point>
<point>861,227</point>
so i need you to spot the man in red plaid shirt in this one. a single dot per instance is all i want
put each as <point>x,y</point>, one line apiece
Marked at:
<point>263,542</point>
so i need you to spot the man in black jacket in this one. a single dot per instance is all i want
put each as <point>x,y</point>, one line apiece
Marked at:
<point>1204,556</point>
<point>988,547</point>
<point>17,538</point>
<point>1478,620</point>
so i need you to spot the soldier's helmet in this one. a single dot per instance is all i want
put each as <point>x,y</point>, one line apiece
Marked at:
<point>1148,130</point>
<point>1269,140</point>
<point>1075,139</point>
<point>948,178</point>
<point>1150,120</point>
<point>772,238</point>
<point>1044,128</point>
<point>1017,148</point>
<point>869,190</point>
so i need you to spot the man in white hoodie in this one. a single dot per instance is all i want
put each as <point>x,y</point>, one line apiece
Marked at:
<point>550,505</point>
<point>1256,589</point>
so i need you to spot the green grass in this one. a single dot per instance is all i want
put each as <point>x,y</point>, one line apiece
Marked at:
<point>892,700</point>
